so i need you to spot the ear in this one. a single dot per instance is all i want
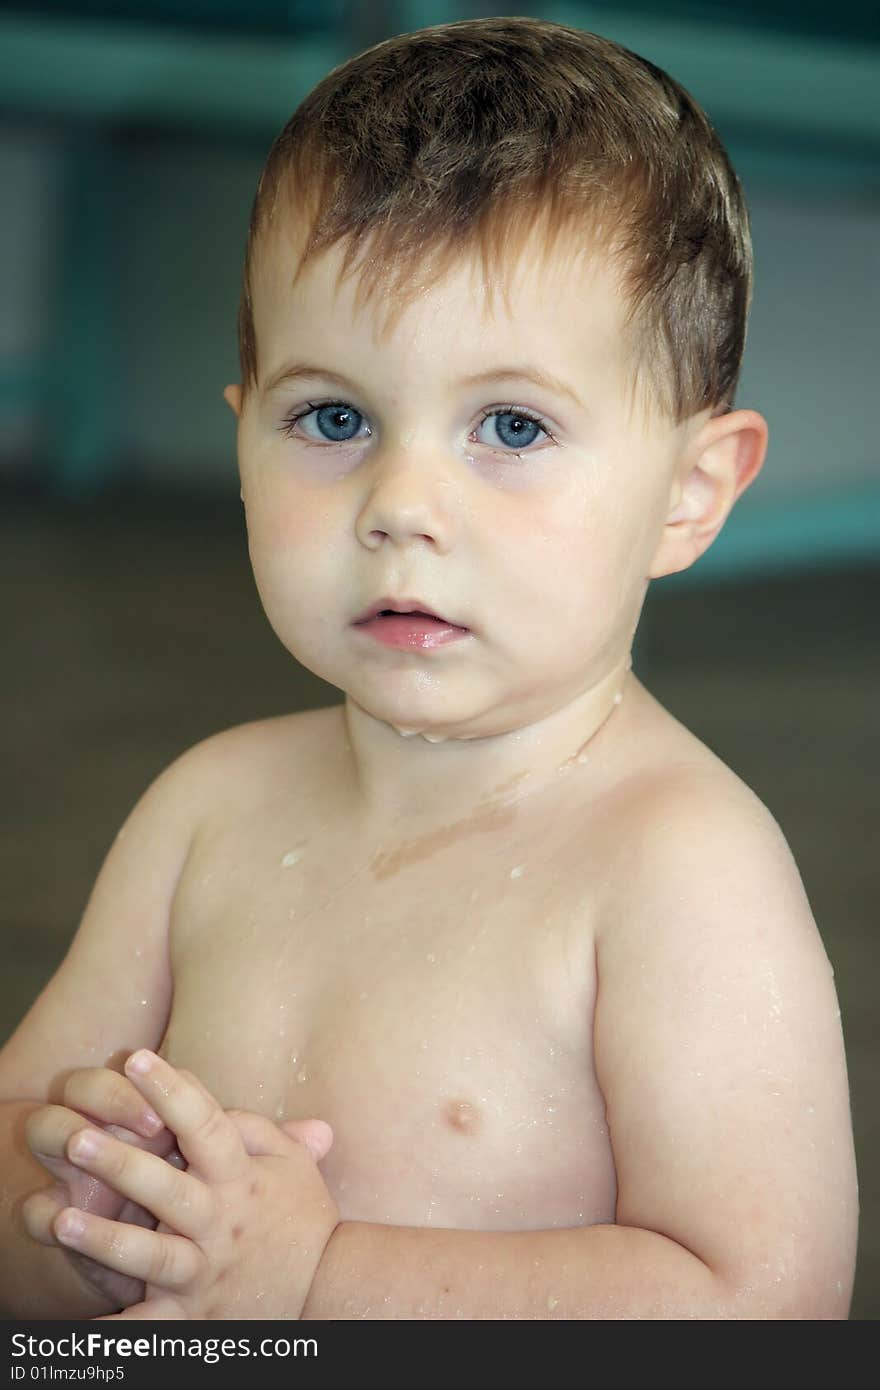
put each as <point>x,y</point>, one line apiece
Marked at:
<point>232,397</point>
<point>720,462</point>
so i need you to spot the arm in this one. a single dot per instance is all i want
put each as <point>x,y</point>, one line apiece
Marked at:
<point>110,994</point>
<point>376,1271</point>
<point>244,1230</point>
<point>719,1051</point>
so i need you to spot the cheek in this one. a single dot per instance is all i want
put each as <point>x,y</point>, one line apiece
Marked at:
<point>291,553</point>
<point>282,521</point>
<point>292,544</point>
<point>578,564</point>
<point>564,545</point>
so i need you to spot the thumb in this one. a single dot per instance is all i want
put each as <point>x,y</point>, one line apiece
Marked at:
<point>315,1135</point>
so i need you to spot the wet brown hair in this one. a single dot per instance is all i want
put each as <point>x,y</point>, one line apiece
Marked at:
<point>497,136</point>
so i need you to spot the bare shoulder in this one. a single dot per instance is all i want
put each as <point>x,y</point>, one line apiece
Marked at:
<point>675,800</point>
<point>112,992</point>
<point>251,757</point>
<point>718,1043</point>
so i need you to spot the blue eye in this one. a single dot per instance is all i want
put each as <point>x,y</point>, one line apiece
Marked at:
<point>517,428</point>
<point>508,419</point>
<point>334,416</point>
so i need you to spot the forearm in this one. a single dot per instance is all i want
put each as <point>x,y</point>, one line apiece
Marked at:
<point>36,1281</point>
<point>607,1272</point>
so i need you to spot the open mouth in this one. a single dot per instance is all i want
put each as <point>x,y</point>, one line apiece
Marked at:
<point>413,629</point>
<point>419,613</point>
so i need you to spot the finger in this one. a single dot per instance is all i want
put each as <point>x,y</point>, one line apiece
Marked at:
<point>48,1129</point>
<point>156,1310</point>
<point>179,1199</point>
<point>170,1261</point>
<point>260,1135</point>
<point>38,1213</point>
<point>107,1096</point>
<point>206,1136</point>
<point>316,1135</point>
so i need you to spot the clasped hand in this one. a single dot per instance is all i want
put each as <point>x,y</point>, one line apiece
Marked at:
<point>240,1232</point>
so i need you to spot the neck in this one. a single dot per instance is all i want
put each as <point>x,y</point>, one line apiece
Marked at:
<point>419,778</point>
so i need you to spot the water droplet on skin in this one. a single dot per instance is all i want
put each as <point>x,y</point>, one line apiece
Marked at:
<point>431,959</point>
<point>291,858</point>
<point>552,1303</point>
<point>618,697</point>
<point>518,871</point>
<point>302,1075</point>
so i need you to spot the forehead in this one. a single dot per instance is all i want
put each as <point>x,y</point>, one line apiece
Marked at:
<point>558,312</point>
<point>560,304</point>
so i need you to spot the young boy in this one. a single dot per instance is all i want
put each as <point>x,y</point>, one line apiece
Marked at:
<point>540,961</point>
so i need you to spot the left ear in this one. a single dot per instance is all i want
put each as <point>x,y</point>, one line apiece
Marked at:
<point>232,397</point>
<point>721,461</point>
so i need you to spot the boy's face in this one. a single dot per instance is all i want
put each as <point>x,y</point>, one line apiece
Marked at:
<point>538,543</point>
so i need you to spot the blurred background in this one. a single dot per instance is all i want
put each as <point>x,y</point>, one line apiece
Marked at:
<point>132,135</point>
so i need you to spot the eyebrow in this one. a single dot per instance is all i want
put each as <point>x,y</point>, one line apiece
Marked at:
<point>518,371</point>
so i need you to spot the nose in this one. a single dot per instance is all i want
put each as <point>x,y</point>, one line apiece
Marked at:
<point>410,496</point>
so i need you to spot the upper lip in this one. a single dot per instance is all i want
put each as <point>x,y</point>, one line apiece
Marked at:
<point>402,605</point>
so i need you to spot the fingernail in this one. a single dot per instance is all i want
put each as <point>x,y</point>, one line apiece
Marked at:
<point>140,1062</point>
<point>85,1144</point>
<point>70,1225</point>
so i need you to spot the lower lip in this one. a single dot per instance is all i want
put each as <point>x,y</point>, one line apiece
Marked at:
<point>412,630</point>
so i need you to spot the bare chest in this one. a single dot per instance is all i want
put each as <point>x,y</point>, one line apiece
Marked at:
<point>433,1003</point>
